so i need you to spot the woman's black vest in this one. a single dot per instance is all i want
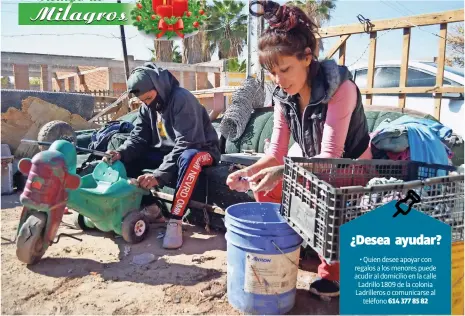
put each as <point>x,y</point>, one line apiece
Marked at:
<point>308,131</point>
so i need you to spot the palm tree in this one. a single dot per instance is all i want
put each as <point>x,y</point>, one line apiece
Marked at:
<point>234,65</point>
<point>163,51</point>
<point>194,47</point>
<point>227,27</point>
<point>319,10</point>
<point>177,57</point>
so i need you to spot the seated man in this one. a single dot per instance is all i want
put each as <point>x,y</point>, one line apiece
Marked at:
<point>174,136</point>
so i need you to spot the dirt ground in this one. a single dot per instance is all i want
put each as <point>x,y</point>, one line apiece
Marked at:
<point>98,276</point>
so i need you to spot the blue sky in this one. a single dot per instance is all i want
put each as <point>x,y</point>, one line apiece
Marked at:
<point>103,41</point>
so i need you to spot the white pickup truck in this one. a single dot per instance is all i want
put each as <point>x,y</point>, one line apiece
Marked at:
<point>420,74</point>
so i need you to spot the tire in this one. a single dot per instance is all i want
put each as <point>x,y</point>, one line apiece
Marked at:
<point>29,245</point>
<point>135,227</point>
<point>78,222</point>
<point>56,130</point>
<point>19,181</point>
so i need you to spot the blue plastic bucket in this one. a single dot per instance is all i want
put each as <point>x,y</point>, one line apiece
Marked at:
<point>263,255</point>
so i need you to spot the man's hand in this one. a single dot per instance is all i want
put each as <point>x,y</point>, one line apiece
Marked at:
<point>266,179</point>
<point>147,181</point>
<point>114,156</point>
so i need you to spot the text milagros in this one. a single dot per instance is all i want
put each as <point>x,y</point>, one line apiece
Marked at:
<point>74,13</point>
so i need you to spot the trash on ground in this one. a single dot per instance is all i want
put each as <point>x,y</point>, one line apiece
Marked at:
<point>213,290</point>
<point>201,259</point>
<point>143,259</point>
<point>177,299</point>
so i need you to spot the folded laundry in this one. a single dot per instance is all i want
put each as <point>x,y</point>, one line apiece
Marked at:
<point>404,156</point>
<point>425,139</point>
<point>452,140</point>
<point>391,139</point>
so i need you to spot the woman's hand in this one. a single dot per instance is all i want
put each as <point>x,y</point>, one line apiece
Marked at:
<point>266,179</point>
<point>236,181</point>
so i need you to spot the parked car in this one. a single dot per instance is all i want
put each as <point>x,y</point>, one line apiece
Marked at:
<point>420,74</point>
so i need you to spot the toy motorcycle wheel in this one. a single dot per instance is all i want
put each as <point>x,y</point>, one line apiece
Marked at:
<point>79,222</point>
<point>29,245</point>
<point>135,227</point>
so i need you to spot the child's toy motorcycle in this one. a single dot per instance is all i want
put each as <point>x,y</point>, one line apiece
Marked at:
<point>44,198</point>
<point>104,199</point>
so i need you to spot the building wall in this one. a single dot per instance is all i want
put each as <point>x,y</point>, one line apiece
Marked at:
<point>99,80</point>
<point>119,86</point>
<point>92,81</point>
<point>96,80</point>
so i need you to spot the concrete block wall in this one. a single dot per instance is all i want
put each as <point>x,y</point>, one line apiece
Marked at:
<point>21,76</point>
<point>54,70</point>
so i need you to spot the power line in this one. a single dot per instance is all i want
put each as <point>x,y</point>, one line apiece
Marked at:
<point>395,4</point>
<point>390,5</point>
<point>21,1</point>
<point>377,37</point>
<point>402,5</point>
<point>419,27</point>
<point>14,2</point>
<point>68,34</point>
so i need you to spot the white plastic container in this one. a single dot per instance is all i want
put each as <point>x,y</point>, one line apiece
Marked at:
<point>266,146</point>
<point>7,170</point>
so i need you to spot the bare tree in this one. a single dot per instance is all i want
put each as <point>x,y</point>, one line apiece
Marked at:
<point>455,46</point>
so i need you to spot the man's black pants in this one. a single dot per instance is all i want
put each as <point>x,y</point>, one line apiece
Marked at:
<point>189,166</point>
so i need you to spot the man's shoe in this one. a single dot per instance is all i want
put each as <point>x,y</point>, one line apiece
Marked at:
<point>325,287</point>
<point>173,235</point>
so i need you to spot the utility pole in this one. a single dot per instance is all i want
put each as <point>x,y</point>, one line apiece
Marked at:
<point>261,28</point>
<point>249,44</point>
<point>125,51</point>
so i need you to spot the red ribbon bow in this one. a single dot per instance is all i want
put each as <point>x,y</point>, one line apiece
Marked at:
<point>176,27</point>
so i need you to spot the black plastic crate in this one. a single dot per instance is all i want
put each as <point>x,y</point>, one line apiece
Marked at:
<point>319,195</point>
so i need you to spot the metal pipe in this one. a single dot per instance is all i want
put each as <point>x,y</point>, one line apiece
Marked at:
<point>194,204</point>
<point>261,22</point>
<point>86,150</point>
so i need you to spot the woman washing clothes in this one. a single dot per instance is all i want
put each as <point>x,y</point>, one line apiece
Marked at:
<point>317,103</point>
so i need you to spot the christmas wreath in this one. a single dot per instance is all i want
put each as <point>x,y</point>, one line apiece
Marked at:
<point>168,18</point>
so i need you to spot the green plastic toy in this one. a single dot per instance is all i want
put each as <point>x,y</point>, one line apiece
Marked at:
<point>107,201</point>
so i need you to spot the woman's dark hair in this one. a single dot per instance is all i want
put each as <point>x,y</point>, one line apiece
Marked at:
<point>289,33</point>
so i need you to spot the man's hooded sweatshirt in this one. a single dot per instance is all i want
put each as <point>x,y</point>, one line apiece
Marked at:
<point>181,123</point>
